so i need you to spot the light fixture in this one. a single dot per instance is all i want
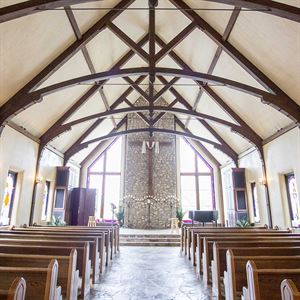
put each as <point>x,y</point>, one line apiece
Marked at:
<point>39,179</point>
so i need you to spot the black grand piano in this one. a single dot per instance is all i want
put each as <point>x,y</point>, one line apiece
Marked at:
<point>204,216</point>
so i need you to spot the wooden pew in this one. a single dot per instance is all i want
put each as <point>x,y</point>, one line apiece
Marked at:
<point>264,284</point>
<point>68,276</point>
<point>219,263</point>
<point>188,229</point>
<point>83,262</point>
<point>235,276</point>
<point>93,249</point>
<point>14,291</point>
<point>112,231</point>
<point>96,254</point>
<point>289,291</point>
<point>235,242</point>
<point>103,234</point>
<point>200,238</point>
<point>41,283</point>
<point>196,237</point>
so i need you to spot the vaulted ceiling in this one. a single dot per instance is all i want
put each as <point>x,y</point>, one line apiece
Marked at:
<point>71,70</point>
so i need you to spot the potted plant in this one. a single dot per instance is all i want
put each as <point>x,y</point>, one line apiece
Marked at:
<point>179,216</point>
<point>244,223</point>
<point>120,217</point>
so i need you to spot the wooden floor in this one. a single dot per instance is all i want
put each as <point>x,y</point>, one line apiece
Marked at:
<point>147,273</point>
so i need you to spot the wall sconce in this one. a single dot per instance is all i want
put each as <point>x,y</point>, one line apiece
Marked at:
<point>39,179</point>
<point>262,181</point>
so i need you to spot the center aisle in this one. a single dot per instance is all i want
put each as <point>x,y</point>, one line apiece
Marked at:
<point>146,273</point>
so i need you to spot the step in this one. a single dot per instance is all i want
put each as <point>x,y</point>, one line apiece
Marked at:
<point>150,244</point>
<point>150,236</point>
<point>150,239</point>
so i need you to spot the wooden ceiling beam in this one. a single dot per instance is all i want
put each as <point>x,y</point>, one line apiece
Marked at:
<point>11,12</point>
<point>266,6</point>
<point>129,42</point>
<point>225,36</point>
<point>226,147</point>
<point>19,101</point>
<point>53,131</point>
<point>175,41</point>
<point>230,50</point>
<point>74,148</point>
<point>120,99</point>
<point>137,88</point>
<point>289,108</point>
<point>100,145</point>
<point>150,130</point>
<point>15,11</point>
<point>198,143</point>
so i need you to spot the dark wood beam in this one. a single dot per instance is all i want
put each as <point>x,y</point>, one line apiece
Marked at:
<point>160,115</point>
<point>19,102</point>
<point>74,148</point>
<point>30,7</point>
<point>120,99</point>
<point>137,88</point>
<point>289,108</point>
<point>267,6</point>
<point>165,88</point>
<point>225,36</point>
<point>151,131</point>
<point>26,8</point>
<point>53,131</point>
<point>198,144</point>
<point>230,50</point>
<point>100,146</point>
<point>129,42</point>
<point>141,115</point>
<point>174,42</point>
<point>226,147</point>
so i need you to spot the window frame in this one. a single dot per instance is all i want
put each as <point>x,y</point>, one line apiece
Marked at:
<point>45,212</point>
<point>197,174</point>
<point>286,179</point>
<point>104,173</point>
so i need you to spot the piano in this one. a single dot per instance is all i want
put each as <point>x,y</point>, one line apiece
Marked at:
<point>204,216</point>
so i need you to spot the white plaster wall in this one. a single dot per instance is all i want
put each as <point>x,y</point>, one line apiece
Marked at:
<point>47,171</point>
<point>254,173</point>
<point>282,156</point>
<point>18,153</point>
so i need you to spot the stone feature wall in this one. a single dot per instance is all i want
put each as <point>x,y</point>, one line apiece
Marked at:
<point>149,205</point>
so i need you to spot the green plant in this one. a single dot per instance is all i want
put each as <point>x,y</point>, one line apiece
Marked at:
<point>120,216</point>
<point>179,215</point>
<point>56,221</point>
<point>244,223</point>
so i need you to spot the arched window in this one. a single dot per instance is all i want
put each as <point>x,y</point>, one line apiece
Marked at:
<point>104,175</point>
<point>196,179</point>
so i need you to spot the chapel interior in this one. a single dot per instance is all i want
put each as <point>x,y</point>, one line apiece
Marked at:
<point>150,149</point>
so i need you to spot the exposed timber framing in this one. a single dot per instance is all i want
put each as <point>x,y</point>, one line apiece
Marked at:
<point>225,36</point>
<point>52,131</point>
<point>289,108</point>
<point>198,143</point>
<point>18,101</point>
<point>122,98</point>
<point>150,130</point>
<point>265,6</point>
<point>231,51</point>
<point>76,146</point>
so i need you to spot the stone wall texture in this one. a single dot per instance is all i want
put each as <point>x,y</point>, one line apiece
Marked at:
<point>143,210</point>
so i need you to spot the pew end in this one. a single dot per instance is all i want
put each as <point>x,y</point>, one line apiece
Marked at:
<point>16,291</point>
<point>289,290</point>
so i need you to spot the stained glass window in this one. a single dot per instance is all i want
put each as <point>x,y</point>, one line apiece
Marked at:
<point>8,198</point>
